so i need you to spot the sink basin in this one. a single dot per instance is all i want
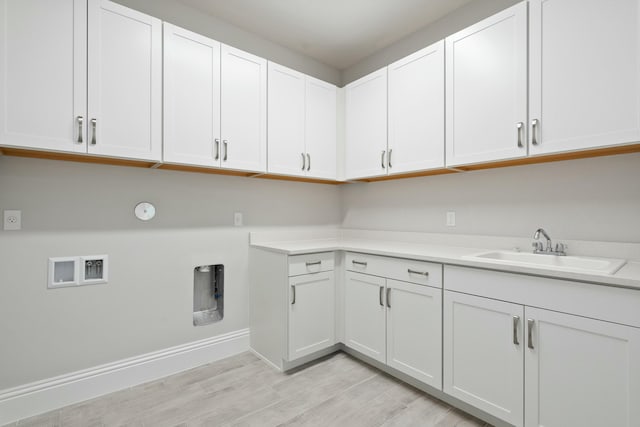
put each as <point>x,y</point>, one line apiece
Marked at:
<point>575,264</point>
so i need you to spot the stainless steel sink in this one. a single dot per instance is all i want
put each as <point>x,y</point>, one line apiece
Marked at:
<point>576,264</point>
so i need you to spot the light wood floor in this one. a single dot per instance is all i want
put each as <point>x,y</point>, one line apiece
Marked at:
<point>244,391</point>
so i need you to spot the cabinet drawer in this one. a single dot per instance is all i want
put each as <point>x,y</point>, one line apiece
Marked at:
<point>310,263</point>
<point>406,270</point>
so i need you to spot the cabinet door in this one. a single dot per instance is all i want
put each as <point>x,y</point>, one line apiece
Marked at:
<point>320,128</point>
<point>414,331</point>
<point>483,354</point>
<point>125,86</point>
<point>366,126</point>
<point>43,72</point>
<point>191,98</point>
<point>244,110</point>
<point>311,313</point>
<point>285,128</point>
<point>487,89</point>
<point>585,74</point>
<point>580,371</point>
<point>416,111</point>
<point>365,314</point>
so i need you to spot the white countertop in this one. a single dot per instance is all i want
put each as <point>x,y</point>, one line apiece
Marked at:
<point>628,276</point>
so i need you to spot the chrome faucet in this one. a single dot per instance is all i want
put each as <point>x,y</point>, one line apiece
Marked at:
<point>537,245</point>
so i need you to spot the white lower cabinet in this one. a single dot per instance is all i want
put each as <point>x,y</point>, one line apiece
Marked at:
<point>536,366</point>
<point>311,313</point>
<point>394,322</point>
<point>483,347</point>
<point>580,372</point>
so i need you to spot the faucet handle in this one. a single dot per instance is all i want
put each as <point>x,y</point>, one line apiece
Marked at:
<point>537,246</point>
<point>561,247</point>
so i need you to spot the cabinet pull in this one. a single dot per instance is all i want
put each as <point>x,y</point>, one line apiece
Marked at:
<point>423,273</point>
<point>516,321</point>
<point>530,323</point>
<point>293,295</point>
<point>382,158</point>
<point>304,164</point>
<point>310,263</point>
<point>225,143</point>
<point>94,123</point>
<point>362,263</point>
<point>534,127</point>
<point>380,295</point>
<point>308,162</point>
<point>520,126</point>
<point>388,297</point>
<point>389,159</point>
<point>217,149</point>
<point>80,121</point>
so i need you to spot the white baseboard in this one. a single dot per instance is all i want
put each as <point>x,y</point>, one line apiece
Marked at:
<point>36,398</point>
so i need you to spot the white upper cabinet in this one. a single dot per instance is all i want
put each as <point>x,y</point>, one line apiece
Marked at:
<point>191,98</point>
<point>366,126</point>
<point>302,124</point>
<point>243,107</point>
<point>43,74</point>
<point>320,128</point>
<point>486,89</point>
<point>584,74</point>
<point>286,133</point>
<point>125,82</point>
<point>416,111</point>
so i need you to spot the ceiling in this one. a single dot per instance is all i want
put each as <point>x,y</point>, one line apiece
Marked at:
<point>338,33</point>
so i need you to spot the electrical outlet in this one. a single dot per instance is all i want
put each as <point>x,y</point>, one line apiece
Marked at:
<point>451,219</point>
<point>12,220</point>
<point>237,219</point>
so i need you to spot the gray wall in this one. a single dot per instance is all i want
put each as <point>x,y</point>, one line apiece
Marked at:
<point>71,209</point>
<point>449,24</point>
<point>187,17</point>
<point>590,199</point>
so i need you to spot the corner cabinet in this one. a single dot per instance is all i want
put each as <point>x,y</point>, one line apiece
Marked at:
<point>416,111</point>
<point>542,352</point>
<point>486,89</point>
<point>584,74</point>
<point>66,68</point>
<point>291,306</point>
<point>393,314</point>
<point>366,126</point>
<point>301,124</point>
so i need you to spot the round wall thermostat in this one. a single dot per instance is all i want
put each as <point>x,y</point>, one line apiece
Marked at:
<point>145,211</point>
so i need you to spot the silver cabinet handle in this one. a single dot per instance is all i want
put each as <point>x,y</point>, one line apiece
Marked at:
<point>293,294</point>
<point>423,273</point>
<point>308,162</point>
<point>80,121</point>
<point>516,322</point>
<point>389,160</point>
<point>310,263</point>
<point>520,127</point>
<point>225,143</point>
<point>384,152</point>
<point>217,149</point>
<point>388,297</point>
<point>362,263</point>
<point>304,164</point>
<point>380,295</point>
<point>530,323</point>
<point>94,123</point>
<point>534,128</point>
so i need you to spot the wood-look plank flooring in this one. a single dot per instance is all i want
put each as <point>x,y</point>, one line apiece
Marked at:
<point>244,391</point>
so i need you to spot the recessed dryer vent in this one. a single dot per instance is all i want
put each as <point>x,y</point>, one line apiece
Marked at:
<point>208,294</point>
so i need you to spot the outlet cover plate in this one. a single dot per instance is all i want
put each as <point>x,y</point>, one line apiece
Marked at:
<point>12,220</point>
